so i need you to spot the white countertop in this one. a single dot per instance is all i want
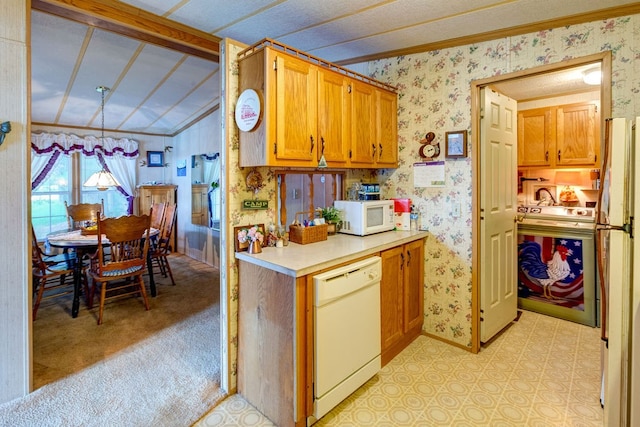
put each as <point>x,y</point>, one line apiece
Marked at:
<point>299,260</point>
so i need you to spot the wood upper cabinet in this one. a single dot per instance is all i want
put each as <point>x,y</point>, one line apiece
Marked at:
<point>536,136</point>
<point>387,128</point>
<point>374,127</point>
<point>578,135</point>
<point>566,135</point>
<point>313,109</point>
<point>401,297</point>
<point>296,109</point>
<point>363,124</point>
<point>334,109</point>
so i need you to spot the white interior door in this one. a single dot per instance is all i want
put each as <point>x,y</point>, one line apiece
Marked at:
<point>498,206</point>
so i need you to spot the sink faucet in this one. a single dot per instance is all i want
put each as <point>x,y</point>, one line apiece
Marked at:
<point>538,191</point>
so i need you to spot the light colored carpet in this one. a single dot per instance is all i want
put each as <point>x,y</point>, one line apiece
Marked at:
<point>167,375</point>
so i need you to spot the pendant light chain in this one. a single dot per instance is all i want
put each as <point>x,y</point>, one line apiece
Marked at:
<point>102,90</point>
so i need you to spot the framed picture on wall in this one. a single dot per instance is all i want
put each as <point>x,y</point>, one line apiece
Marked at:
<point>155,159</point>
<point>456,144</point>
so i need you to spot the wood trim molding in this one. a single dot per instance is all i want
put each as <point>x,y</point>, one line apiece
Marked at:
<point>612,12</point>
<point>605,58</point>
<point>130,21</point>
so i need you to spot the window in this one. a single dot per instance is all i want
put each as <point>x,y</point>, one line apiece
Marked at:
<point>64,184</point>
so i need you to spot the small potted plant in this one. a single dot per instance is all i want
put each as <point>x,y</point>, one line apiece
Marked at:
<point>332,217</point>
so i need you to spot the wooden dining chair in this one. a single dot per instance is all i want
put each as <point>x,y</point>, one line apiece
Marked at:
<point>157,210</point>
<point>126,240</point>
<point>162,248</point>
<point>53,276</point>
<point>79,213</point>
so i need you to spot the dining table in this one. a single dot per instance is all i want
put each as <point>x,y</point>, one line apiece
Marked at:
<point>86,243</point>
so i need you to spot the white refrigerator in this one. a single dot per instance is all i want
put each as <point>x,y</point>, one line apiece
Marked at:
<point>620,297</point>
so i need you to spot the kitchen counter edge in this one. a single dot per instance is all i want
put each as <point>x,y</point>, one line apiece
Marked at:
<point>299,260</point>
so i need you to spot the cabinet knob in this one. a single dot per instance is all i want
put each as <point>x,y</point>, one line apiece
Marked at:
<point>313,143</point>
<point>373,146</point>
<point>322,144</point>
<point>380,145</point>
<point>558,155</point>
<point>546,156</point>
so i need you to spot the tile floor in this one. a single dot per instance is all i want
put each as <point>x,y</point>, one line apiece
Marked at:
<point>541,371</point>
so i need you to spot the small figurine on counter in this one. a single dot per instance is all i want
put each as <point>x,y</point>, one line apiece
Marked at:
<point>272,236</point>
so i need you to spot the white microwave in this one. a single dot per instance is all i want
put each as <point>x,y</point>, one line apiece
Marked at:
<point>363,217</point>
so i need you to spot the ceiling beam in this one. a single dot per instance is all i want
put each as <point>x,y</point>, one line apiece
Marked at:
<point>121,18</point>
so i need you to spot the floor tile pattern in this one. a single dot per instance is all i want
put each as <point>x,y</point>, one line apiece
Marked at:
<point>541,371</point>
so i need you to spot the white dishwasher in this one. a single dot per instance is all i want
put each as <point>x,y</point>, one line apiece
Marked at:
<point>346,332</point>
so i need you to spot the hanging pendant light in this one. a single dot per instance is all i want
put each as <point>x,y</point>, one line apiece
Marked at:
<point>103,179</point>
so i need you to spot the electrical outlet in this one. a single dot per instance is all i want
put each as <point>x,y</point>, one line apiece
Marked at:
<point>296,193</point>
<point>455,209</point>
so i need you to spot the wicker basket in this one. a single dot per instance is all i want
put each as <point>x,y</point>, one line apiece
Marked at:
<point>303,235</point>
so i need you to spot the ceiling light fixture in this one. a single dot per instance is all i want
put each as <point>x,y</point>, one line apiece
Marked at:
<point>103,179</point>
<point>592,76</point>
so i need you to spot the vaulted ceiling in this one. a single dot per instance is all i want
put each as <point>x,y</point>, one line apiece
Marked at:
<point>159,57</point>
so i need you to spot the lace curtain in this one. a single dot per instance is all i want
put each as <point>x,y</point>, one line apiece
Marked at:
<point>117,156</point>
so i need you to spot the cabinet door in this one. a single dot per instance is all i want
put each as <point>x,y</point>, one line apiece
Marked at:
<point>387,131</point>
<point>333,118</point>
<point>391,296</point>
<point>577,135</point>
<point>199,205</point>
<point>413,285</point>
<point>536,137</point>
<point>363,124</point>
<point>296,110</point>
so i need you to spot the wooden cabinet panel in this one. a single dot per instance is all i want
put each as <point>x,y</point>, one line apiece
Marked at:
<point>200,204</point>
<point>150,194</point>
<point>578,133</point>
<point>536,135</point>
<point>413,288</point>
<point>334,108</point>
<point>296,109</point>
<point>363,124</point>
<point>312,108</point>
<point>391,296</point>
<point>387,132</point>
<point>558,136</point>
<point>401,297</point>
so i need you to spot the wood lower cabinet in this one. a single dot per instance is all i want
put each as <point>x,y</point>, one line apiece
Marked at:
<point>401,299</point>
<point>149,194</point>
<point>275,329</point>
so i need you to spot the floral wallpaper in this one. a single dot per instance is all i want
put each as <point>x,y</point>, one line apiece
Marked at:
<point>234,192</point>
<point>434,95</point>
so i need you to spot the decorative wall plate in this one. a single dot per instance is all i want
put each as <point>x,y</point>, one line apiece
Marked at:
<point>248,110</point>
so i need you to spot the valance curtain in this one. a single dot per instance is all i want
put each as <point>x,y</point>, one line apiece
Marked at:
<point>117,156</point>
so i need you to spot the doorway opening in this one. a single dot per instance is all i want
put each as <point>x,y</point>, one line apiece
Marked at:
<point>509,82</point>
